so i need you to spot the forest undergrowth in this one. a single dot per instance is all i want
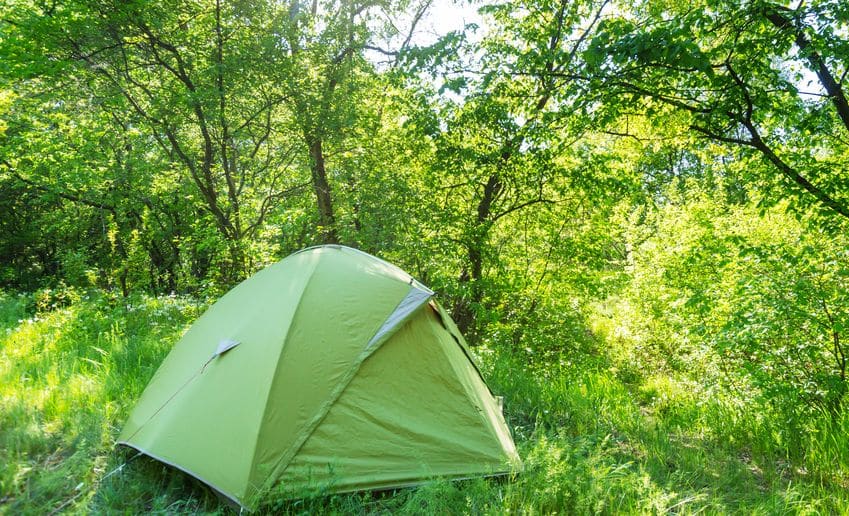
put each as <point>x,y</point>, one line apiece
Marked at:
<point>595,435</point>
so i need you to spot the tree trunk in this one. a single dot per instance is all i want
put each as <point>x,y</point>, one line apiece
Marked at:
<point>327,221</point>
<point>473,273</point>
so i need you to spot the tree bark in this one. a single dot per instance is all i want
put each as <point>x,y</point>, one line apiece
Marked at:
<point>323,196</point>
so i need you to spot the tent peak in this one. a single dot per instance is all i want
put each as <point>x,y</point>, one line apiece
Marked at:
<point>401,273</point>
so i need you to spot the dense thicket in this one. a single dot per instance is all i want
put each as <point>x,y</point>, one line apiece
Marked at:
<point>661,187</point>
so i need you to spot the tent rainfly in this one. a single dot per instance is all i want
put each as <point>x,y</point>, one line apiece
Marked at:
<point>331,369</point>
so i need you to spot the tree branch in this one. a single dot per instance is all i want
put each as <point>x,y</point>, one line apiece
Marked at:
<point>777,15</point>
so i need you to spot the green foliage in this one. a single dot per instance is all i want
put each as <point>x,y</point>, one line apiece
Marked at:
<point>69,366</point>
<point>760,78</point>
<point>178,139</point>
<point>755,302</point>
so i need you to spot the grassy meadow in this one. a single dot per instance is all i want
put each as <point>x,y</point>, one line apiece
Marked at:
<point>595,436</point>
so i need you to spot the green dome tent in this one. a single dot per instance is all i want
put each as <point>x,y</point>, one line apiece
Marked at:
<point>330,368</point>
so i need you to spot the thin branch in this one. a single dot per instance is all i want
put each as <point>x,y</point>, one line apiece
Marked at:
<point>73,197</point>
<point>521,206</point>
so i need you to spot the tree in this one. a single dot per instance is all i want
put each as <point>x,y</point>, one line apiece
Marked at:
<point>323,70</point>
<point>194,78</point>
<point>503,144</point>
<point>486,177</point>
<point>760,77</point>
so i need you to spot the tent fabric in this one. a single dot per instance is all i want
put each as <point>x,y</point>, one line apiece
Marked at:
<point>330,368</point>
<point>413,300</point>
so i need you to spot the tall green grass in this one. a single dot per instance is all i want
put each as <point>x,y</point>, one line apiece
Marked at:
<point>71,366</point>
<point>73,363</point>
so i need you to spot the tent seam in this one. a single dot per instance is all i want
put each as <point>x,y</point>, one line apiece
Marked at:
<point>335,395</point>
<point>276,371</point>
<point>470,392</point>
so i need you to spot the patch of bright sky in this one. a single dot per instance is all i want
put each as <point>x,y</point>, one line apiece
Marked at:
<point>445,16</point>
<point>441,18</point>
